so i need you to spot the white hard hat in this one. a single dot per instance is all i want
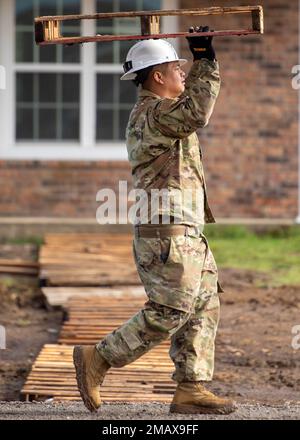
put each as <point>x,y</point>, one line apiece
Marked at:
<point>148,53</point>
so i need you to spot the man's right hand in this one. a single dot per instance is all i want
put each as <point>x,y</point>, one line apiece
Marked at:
<point>201,47</point>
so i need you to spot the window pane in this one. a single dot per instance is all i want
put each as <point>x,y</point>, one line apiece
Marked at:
<point>47,106</point>
<point>47,125</point>
<point>71,7</point>
<point>24,88</point>
<point>27,50</point>
<point>47,87</point>
<point>105,125</point>
<point>115,100</point>
<point>151,4</point>
<point>128,92</point>
<point>70,124</point>
<point>48,7</point>
<point>48,54</point>
<point>24,47</point>
<point>110,89</point>
<point>124,48</point>
<point>124,115</point>
<point>70,54</point>
<point>131,5</point>
<point>105,88</point>
<point>105,52</point>
<point>116,52</point>
<point>24,12</point>
<point>105,5</point>
<point>24,124</point>
<point>70,88</point>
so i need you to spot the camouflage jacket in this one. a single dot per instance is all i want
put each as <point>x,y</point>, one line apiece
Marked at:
<point>163,146</point>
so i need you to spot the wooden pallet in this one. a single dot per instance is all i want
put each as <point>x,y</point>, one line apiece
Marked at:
<point>91,314</point>
<point>90,319</point>
<point>18,267</point>
<point>145,380</point>
<point>48,29</point>
<point>87,260</point>
<point>59,296</point>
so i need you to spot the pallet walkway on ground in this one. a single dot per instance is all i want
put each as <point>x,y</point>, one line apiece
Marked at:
<point>87,260</point>
<point>88,320</point>
<point>145,380</point>
<point>59,296</point>
<point>17,266</point>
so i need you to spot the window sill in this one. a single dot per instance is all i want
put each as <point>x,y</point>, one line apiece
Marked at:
<point>65,151</point>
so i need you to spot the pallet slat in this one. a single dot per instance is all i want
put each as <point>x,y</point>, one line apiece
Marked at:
<point>56,378</point>
<point>87,260</point>
<point>59,296</point>
<point>89,320</point>
<point>47,28</point>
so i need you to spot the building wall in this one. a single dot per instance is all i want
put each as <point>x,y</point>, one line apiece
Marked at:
<point>250,145</point>
<point>55,188</point>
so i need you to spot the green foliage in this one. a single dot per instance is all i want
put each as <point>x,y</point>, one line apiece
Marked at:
<point>273,251</point>
<point>37,240</point>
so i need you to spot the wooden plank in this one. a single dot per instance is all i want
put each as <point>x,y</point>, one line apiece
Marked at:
<point>19,267</point>
<point>59,296</point>
<point>89,320</point>
<point>258,21</point>
<point>92,318</point>
<point>19,263</point>
<point>52,374</point>
<point>101,279</point>
<point>71,237</point>
<point>87,260</point>
<point>109,38</point>
<point>150,27</point>
<point>144,380</point>
<point>215,10</point>
<point>19,270</point>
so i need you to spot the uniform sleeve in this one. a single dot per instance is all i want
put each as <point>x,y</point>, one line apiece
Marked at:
<point>179,118</point>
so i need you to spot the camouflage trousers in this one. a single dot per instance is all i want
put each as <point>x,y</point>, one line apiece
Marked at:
<point>180,278</point>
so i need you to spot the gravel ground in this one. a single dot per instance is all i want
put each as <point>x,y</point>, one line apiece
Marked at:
<point>153,411</point>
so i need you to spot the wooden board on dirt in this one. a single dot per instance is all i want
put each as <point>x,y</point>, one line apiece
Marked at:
<point>59,296</point>
<point>87,260</point>
<point>18,267</point>
<point>146,380</point>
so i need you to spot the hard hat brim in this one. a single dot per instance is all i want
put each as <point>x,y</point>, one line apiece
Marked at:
<point>132,73</point>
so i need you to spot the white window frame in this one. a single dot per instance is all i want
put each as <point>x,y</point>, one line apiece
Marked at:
<point>87,148</point>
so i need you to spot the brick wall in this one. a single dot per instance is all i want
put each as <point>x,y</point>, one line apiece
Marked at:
<point>250,145</point>
<point>57,189</point>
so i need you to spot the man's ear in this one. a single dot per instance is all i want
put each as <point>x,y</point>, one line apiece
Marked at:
<point>158,77</point>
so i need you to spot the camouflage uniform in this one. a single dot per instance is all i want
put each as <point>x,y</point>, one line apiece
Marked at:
<point>179,272</point>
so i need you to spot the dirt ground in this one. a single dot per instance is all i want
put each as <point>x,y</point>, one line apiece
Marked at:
<point>255,361</point>
<point>28,324</point>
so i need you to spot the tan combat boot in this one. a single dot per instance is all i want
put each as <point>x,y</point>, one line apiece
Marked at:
<point>90,369</point>
<point>193,398</point>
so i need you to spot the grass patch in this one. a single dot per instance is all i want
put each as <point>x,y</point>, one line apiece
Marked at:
<point>275,252</point>
<point>36,240</point>
<point>7,282</point>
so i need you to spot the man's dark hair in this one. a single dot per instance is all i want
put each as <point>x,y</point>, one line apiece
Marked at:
<point>142,75</point>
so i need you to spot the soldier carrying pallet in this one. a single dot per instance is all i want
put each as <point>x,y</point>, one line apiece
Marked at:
<point>174,261</point>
